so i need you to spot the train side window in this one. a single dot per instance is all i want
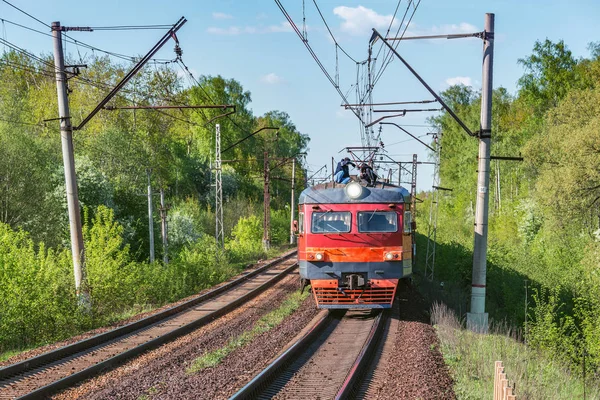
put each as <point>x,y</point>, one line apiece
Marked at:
<point>377,221</point>
<point>407,222</point>
<point>331,222</point>
<point>301,223</point>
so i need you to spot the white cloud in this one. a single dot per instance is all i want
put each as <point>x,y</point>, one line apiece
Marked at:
<point>454,28</point>
<point>220,15</point>
<point>359,20</point>
<point>232,30</point>
<point>459,80</point>
<point>238,30</point>
<point>271,79</point>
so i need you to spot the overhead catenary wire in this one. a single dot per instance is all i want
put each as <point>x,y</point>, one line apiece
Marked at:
<point>26,13</point>
<point>27,68</point>
<point>391,56</point>
<point>27,53</point>
<point>242,129</point>
<point>390,26</point>
<point>49,64</point>
<point>388,56</point>
<point>387,53</point>
<point>72,41</point>
<point>38,124</point>
<point>314,56</point>
<point>331,33</point>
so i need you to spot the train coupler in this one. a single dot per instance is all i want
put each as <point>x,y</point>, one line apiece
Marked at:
<point>354,281</point>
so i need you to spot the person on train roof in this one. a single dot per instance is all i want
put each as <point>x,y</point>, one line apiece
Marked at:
<point>342,172</point>
<point>367,174</point>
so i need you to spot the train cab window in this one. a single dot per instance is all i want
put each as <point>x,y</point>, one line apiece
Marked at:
<point>331,222</point>
<point>301,223</point>
<point>377,221</point>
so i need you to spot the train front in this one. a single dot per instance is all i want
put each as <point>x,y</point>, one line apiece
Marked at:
<point>354,243</point>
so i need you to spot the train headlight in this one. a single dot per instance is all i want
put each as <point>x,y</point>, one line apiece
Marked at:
<point>353,190</point>
<point>389,256</point>
<point>319,256</point>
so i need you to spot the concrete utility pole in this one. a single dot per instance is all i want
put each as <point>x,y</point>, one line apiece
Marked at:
<point>477,319</point>
<point>219,232</point>
<point>292,203</point>
<point>267,207</point>
<point>163,226</point>
<point>150,216</point>
<point>66,134</point>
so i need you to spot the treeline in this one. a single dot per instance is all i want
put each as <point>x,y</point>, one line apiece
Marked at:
<point>117,155</point>
<point>544,227</point>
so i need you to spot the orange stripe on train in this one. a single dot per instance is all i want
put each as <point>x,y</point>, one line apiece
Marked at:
<point>354,254</point>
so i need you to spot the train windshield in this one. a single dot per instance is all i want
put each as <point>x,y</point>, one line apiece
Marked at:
<point>378,221</point>
<point>331,222</point>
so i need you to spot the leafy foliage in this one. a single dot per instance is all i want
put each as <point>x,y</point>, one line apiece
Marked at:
<point>118,155</point>
<point>544,212</point>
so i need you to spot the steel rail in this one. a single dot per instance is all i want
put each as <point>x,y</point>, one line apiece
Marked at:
<point>362,361</point>
<point>120,358</point>
<point>253,388</point>
<point>264,377</point>
<point>63,352</point>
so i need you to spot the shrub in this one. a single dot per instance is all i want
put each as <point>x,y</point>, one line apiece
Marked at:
<point>247,239</point>
<point>280,227</point>
<point>37,300</point>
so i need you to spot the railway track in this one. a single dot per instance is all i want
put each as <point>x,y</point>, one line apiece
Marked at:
<point>327,362</point>
<point>56,370</point>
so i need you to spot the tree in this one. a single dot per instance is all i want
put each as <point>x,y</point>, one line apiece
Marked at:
<point>550,72</point>
<point>566,156</point>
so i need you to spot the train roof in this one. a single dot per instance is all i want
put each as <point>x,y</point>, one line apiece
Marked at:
<point>334,193</point>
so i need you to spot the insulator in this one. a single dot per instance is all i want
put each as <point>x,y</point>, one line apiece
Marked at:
<point>178,51</point>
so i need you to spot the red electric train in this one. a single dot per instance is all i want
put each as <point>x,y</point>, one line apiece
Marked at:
<point>354,243</point>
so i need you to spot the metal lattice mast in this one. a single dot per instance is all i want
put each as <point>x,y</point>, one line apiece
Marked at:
<point>433,214</point>
<point>219,235</point>
<point>413,187</point>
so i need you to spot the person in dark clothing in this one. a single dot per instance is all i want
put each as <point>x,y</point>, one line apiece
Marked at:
<point>367,174</point>
<point>342,172</point>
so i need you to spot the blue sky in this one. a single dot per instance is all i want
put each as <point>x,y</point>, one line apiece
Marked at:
<point>251,42</point>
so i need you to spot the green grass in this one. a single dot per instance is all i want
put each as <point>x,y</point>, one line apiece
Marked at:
<point>471,357</point>
<point>10,353</point>
<point>264,324</point>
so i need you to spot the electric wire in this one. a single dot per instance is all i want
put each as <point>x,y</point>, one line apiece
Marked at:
<point>75,41</point>
<point>331,34</point>
<point>39,124</point>
<point>389,27</point>
<point>209,98</point>
<point>83,80</point>
<point>314,56</point>
<point>388,56</point>
<point>27,53</point>
<point>72,41</point>
<point>26,13</point>
<point>27,68</point>
<point>391,56</point>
